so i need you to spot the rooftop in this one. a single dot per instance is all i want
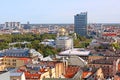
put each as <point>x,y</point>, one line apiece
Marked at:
<point>41,66</point>
<point>16,53</point>
<point>34,71</point>
<point>75,51</point>
<point>118,74</point>
<point>71,71</point>
<point>32,76</point>
<point>63,38</point>
<point>16,74</point>
<point>108,61</point>
<point>86,74</point>
<point>112,55</point>
<point>19,52</point>
<point>1,72</point>
<point>88,71</point>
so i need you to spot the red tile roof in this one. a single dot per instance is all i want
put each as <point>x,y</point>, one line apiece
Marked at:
<point>71,71</point>
<point>85,74</point>
<point>26,60</point>
<point>119,67</point>
<point>109,34</point>
<point>29,75</point>
<point>32,76</point>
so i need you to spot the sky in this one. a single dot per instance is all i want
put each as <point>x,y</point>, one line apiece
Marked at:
<point>59,11</point>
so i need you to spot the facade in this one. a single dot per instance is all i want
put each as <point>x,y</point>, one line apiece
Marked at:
<point>80,22</point>
<point>15,62</point>
<point>94,57</point>
<point>108,65</point>
<point>13,58</point>
<point>2,67</point>
<point>1,59</point>
<point>64,42</point>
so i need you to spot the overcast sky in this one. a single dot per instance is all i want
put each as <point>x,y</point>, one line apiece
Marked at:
<point>59,11</point>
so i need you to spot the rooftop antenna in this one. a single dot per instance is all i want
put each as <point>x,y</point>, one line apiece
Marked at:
<point>69,53</point>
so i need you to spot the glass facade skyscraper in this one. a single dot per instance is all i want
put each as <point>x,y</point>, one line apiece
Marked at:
<point>80,23</point>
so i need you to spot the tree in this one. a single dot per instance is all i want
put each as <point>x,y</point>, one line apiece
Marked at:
<point>35,42</point>
<point>47,52</point>
<point>76,42</point>
<point>116,45</point>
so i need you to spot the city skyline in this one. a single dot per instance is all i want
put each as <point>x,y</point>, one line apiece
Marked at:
<point>36,11</point>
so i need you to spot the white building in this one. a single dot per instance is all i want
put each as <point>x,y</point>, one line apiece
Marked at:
<point>50,42</point>
<point>64,42</point>
<point>84,54</point>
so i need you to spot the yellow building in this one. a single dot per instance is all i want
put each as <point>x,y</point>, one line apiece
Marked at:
<point>14,61</point>
<point>2,67</point>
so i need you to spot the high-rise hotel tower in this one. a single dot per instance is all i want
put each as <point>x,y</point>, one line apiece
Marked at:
<point>80,23</point>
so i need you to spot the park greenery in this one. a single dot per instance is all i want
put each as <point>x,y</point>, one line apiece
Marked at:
<point>35,39</point>
<point>116,45</point>
<point>81,42</point>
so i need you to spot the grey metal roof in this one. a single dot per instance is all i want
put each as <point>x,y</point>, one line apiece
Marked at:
<point>16,53</point>
<point>16,74</point>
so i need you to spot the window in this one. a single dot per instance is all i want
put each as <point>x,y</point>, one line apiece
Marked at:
<point>14,64</point>
<point>8,63</point>
<point>14,60</point>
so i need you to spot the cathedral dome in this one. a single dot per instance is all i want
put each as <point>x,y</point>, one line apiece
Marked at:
<point>63,30</point>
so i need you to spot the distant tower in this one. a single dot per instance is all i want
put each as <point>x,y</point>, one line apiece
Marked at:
<point>80,22</point>
<point>12,25</point>
<point>28,23</point>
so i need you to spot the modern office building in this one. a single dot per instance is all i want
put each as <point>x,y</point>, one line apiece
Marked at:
<point>80,22</point>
